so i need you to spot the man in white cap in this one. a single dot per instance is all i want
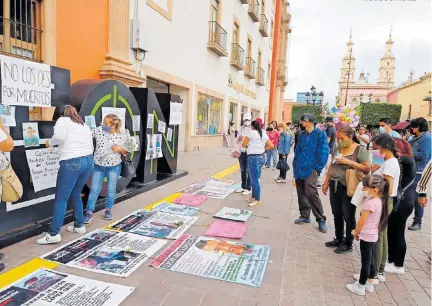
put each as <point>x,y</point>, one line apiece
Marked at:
<point>243,158</point>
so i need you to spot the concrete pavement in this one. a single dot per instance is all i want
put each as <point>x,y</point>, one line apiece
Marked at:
<point>302,270</point>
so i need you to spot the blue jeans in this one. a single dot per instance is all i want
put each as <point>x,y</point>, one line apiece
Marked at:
<point>255,163</point>
<point>245,178</point>
<point>270,154</point>
<point>112,174</point>
<point>418,209</point>
<point>71,178</point>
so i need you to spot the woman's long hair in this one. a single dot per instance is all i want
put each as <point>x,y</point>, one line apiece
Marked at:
<point>257,126</point>
<point>115,121</point>
<point>403,147</point>
<point>349,132</point>
<point>71,112</point>
<point>380,183</point>
<point>386,142</point>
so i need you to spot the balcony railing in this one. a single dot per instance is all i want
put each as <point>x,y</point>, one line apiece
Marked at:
<point>237,56</point>
<point>263,27</point>
<point>217,39</point>
<point>244,1</point>
<point>20,39</point>
<point>250,68</point>
<point>260,77</point>
<point>254,10</point>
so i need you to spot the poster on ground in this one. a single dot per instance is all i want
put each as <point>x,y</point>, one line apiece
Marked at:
<point>107,252</point>
<point>155,224</point>
<point>226,229</point>
<point>196,186</point>
<point>176,209</point>
<point>44,165</point>
<point>46,287</point>
<point>190,199</point>
<point>235,214</point>
<point>217,259</point>
<point>216,192</point>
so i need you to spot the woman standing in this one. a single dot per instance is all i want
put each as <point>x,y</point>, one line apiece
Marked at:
<point>75,144</point>
<point>283,148</point>
<point>348,155</point>
<point>6,145</point>
<point>273,135</point>
<point>402,210</point>
<point>110,144</point>
<point>257,143</point>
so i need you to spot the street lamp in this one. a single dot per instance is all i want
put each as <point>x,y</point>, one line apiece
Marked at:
<point>307,97</point>
<point>361,98</point>
<point>320,97</point>
<point>313,89</point>
<point>370,98</point>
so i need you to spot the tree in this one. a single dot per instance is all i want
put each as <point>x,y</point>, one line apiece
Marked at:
<point>299,110</point>
<point>371,113</point>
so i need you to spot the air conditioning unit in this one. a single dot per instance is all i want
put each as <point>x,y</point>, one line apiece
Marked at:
<point>138,35</point>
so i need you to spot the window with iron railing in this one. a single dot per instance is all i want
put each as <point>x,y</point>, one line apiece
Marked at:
<point>20,30</point>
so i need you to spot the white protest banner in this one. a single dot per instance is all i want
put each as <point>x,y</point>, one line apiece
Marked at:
<point>46,287</point>
<point>119,112</point>
<point>176,113</point>
<point>25,83</point>
<point>43,165</point>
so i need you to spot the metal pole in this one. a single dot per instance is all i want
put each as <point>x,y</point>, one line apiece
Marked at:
<point>349,70</point>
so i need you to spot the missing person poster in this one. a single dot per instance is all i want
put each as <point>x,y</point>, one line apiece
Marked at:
<point>90,121</point>
<point>30,134</point>
<point>161,126</point>
<point>44,165</point>
<point>176,209</point>
<point>107,252</point>
<point>7,114</point>
<point>235,214</point>
<point>218,259</point>
<point>46,287</point>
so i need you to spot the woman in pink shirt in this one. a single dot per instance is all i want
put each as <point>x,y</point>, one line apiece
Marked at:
<point>373,220</point>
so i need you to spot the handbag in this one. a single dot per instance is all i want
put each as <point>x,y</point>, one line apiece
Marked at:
<point>12,189</point>
<point>353,176</point>
<point>128,169</point>
<point>282,165</point>
<point>400,196</point>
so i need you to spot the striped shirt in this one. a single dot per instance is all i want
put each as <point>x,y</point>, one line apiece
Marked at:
<point>423,186</point>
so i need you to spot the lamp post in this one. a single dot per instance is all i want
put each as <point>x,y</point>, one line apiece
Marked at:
<point>320,97</point>
<point>361,98</point>
<point>370,97</point>
<point>313,89</point>
<point>307,97</point>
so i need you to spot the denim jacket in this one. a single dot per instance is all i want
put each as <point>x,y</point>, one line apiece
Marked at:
<point>421,147</point>
<point>284,143</point>
<point>311,153</point>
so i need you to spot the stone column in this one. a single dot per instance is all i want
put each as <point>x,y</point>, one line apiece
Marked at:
<point>117,65</point>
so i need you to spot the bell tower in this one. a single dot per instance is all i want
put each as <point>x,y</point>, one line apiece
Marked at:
<point>387,65</point>
<point>348,67</point>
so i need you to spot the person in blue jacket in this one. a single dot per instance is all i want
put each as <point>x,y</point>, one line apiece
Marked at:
<point>310,158</point>
<point>421,146</point>
<point>283,147</point>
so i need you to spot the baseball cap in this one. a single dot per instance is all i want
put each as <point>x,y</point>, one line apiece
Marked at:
<point>329,119</point>
<point>307,117</point>
<point>247,116</point>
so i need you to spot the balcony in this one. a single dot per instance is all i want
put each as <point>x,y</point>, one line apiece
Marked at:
<point>254,10</point>
<point>244,1</point>
<point>260,77</point>
<point>263,26</point>
<point>217,41</point>
<point>237,56</point>
<point>250,68</point>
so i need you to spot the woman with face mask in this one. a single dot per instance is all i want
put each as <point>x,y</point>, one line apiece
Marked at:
<point>347,155</point>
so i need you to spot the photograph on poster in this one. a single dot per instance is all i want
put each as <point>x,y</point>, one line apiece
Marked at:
<point>43,165</point>
<point>7,114</point>
<point>151,150</point>
<point>138,143</point>
<point>176,209</point>
<point>169,134</point>
<point>161,126</point>
<point>158,143</point>
<point>120,112</point>
<point>136,123</point>
<point>91,122</point>
<point>235,214</point>
<point>150,119</point>
<point>176,113</point>
<point>30,134</point>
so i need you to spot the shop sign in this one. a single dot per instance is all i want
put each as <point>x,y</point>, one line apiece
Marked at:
<point>240,88</point>
<point>25,83</point>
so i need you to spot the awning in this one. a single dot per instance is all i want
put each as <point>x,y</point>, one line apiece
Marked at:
<point>401,125</point>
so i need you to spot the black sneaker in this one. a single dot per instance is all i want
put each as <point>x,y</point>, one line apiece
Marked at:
<point>1,256</point>
<point>343,249</point>
<point>334,243</point>
<point>415,227</point>
<point>2,267</point>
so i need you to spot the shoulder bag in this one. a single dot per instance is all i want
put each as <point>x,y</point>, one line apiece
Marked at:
<point>401,191</point>
<point>12,189</point>
<point>353,176</point>
<point>127,167</point>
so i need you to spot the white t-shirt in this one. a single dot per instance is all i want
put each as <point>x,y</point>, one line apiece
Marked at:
<point>3,136</point>
<point>362,143</point>
<point>73,139</point>
<point>391,168</point>
<point>256,144</point>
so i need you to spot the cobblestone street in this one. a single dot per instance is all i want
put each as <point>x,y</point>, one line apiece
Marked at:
<point>302,270</point>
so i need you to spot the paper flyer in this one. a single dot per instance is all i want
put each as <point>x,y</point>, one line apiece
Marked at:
<point>30,134</point>
<point>161,126</point>
<point>176,113</point>
<point>90,121</point>
<point>169,134</point>
<point>136,123</point>
<point>150,120</point>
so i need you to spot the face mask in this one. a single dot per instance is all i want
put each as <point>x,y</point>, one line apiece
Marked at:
<point>106,128</point>
<point>247,123</point>
<point>344,143</point>
<point>382,129</point>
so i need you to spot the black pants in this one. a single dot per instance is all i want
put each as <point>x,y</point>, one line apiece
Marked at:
<point>367,251</point>
<point>282,174</point>
<point>308,197</point>
<point>243,161</point>
<point>343,212</point>
<point>396,233</point>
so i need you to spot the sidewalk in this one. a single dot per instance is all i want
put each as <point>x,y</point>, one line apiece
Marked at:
<point>302,270</point>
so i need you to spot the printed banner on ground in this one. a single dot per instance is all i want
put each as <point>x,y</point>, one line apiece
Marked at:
<point>154,224</point>
<point>217,259</point>
<point>46,287</point>
<point>107,252</point>
<point>196,186</point>
<point>216,192</point>
<point>190,199</point>
<point>233,214</point>
<point>226,229</point>
<point>176,209</point>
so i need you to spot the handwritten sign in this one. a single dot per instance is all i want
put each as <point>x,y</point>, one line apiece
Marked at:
<point>176,113</point>
<point>25,83</point>
<point>44,165</point>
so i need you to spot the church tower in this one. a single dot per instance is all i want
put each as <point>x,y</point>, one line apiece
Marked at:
<point>387,66</point>
<point>348,64</point>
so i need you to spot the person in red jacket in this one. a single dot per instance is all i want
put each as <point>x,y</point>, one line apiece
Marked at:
<point>273,135</point>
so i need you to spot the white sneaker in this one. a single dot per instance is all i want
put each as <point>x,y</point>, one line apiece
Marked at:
<point>356,288</point>
<point>240,190</point>
<point>381,277</point>
<point>79,230</point>
<point>392,269</point>
<point>48,239</point>
<point>246,192</point>
<point>375,281</point>
<point>281,181</point>
<point>369,287</point>
<point>255,203</point>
